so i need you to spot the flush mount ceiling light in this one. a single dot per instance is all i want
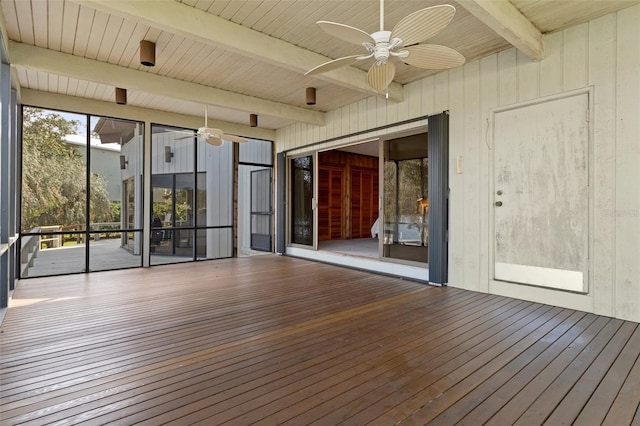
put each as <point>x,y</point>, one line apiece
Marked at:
<point>253,120</point>
<point>311,95</point>
<point>121,96</point>
<point>147,53</point>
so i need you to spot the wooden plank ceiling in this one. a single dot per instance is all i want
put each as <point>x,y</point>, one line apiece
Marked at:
<point>252,53</point>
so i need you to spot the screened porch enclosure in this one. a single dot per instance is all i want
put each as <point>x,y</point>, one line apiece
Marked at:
<point>82,208</point>
<point>81,193</point>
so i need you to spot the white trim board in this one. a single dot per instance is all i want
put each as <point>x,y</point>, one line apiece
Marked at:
<point>558,279</point>
<point>373,265</point>
<point>547,296</point>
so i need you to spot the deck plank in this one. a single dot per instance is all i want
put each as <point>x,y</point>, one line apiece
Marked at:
<point>414,375</point>
<point>454,402</point>
<point>278,340</point>
<point>334,382</point>
<point>591,371</point>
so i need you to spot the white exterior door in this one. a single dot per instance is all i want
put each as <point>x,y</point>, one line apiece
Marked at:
<point>541,194</point>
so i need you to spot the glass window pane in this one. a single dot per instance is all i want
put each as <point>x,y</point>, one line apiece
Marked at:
<point>302,196</point>
<point>406,203</point>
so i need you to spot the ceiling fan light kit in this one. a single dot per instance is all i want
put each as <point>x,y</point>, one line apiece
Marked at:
<point>147,53</point>
<point>403,42</point>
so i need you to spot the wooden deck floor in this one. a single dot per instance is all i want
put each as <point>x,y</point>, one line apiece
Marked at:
<point>277,340</point>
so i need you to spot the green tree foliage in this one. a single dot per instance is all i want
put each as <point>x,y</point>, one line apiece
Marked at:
<point>54,175</point>
<point>115,211</point>
<point>405,182</point>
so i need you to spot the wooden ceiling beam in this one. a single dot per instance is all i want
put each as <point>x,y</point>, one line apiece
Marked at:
<point>67,65</point>
<point>110,109</point>
<point>195,24</point>
<point>507,21</point>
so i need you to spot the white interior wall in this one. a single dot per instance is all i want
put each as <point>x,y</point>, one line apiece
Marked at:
<point>603,53</point>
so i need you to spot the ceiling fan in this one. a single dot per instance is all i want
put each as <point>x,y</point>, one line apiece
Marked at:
<point>402,42</point>
<point>211,135</point>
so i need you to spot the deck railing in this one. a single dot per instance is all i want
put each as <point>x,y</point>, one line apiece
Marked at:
<point>29,251</point>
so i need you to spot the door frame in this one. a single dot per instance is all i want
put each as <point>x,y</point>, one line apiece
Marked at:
<point>268,213</point>
<point>560,297</point>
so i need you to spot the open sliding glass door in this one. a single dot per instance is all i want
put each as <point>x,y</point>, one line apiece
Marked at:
<point>303,214</point>
<point>405,231</point>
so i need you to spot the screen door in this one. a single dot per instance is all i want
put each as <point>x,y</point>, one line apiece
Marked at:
<point>261,210</point>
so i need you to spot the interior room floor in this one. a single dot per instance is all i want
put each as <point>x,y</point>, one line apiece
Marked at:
<point>365,247</point>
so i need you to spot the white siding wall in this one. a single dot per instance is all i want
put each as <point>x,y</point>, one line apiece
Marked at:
<point>257,152</point>
<point>217,161</point>
<point>603,53</point>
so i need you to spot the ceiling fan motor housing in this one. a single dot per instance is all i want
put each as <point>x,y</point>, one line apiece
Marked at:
<point>403,42</point>
<point>381,49</point>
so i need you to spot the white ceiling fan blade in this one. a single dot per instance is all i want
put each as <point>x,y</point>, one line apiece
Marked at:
<point>346,32</point>
<point>193,135</point>
<point>380,76</point>
<point>423,24</point>
<point>184,132</point>
<point>214,140</point>
<point>234,138</point>
<point>433,57</point>
<point>332,65</point>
